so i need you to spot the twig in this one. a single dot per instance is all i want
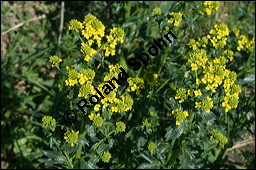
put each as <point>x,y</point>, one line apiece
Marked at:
<point>61,20</point>
<point>241,144</point>
<point>22,23</point>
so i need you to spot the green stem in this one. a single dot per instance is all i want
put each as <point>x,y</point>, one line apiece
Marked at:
<point>70,163</point>
<point>127,7</point>
<point>211,148</point>
<point>102,140</point>
<point>162,86</point>
<point>163,60</point>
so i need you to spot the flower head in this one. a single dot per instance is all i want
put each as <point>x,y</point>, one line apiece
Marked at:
<point>72,137</point>
<point>177,18</point>
<point>157,11</point>
<point>208,6</point>
<point>218,138</point>
<point>55,60</point>
<point>74,24</point>
<point>151,146</point>
<point>49,123</point>
<point>179,115</point>
<point>97,120</point>
<point>106,157</point>
<point>120,126</point>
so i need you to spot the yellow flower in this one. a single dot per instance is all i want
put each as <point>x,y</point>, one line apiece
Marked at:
<point>72,77</point>
<point>106,157</point>
<point>198,92</point>
<point>156,11</point>
<point>181,95</point>
<point>146,123</point>
<point>86,90</point>
<point>87,51</point>
<point>74,24</point>
<point>55,60</point>
<point>246,42</point>
<point>135,84</point>
<point>116,34</point>
<point>120,126</point>
<point>97,120</point>
<point>91,116</point>
<point>177,18</point>
<point>207,104</point>
<point>49,123</point>
<point>179,115</point>
<point>209,6</point>
<point>72,137</point>
<point>218,138</point>
<point>151,146</point>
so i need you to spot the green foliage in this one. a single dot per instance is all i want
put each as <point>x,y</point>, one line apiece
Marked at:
<point>183,110</point>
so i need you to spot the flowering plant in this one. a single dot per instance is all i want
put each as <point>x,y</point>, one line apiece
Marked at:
<point>173,112</point>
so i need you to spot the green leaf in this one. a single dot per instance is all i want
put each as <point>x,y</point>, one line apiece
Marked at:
<point>174,133</point>
<point>101,148</point>
<point>185,159</point>
<point>207,117</point>
<point>148,166</point>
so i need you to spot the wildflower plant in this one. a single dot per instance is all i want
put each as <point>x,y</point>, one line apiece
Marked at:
<point>174,111</point>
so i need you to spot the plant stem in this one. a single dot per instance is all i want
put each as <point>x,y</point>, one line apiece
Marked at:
<point>70,163</point>
<point>103,139</point>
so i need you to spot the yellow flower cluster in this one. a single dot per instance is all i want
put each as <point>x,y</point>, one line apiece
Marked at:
<point>232,91</point>
<point>120,126</point>
<point>236,31</point>
<point>86,90</point>
<point>94,30</point>
<point>87,51</point>
<point>156,11</point>
<point>213,74</point>
<point>55,60</point>
<point>206,104</point>
<point>229,54</point>
<point>82,76</point>
<point>179,115</point>
<point>209,6</point>
<point>218,38</point>
<point>218,138</point>
<point>181,95</point>
<point>135,84</point>
<point>146,123</point>
<point>201,42</point>
<point>72,77</point>
<point>198,58</point>
<point>106,157</point>
<point>113,72</point>
<point>97,119</point>
<point>74,25</point>
<point>246,42</point>
<point>72,137</point>
<point>116,34</point>
<point>151,146</point>
<point>85,75</point>
<point>150,78</point>
<point>177,18</point>
<point>49,123</point>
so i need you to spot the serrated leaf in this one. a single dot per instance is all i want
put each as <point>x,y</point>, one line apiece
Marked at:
<point>150,159</point>
<point>101,148</point>
<point>185,159</point>
<point>148,166</point>
<point>174,133</point>
<point>208,117</point>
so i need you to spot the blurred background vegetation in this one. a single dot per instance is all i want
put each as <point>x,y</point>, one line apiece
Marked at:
<point>32,31</point>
